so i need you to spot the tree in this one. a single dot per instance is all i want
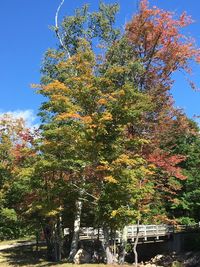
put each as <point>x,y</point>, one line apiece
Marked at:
<point>15,153</point>
<point>72,29</point>
<point>89,115</point>
<point>160,48</point>
<point>154,41</point>
<point>157,41</point>
<point>186,206</point>
<point>108,120</point>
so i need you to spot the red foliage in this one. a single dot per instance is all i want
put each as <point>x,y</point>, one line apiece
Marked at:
<point>26,136</point>
<point>167,163</point>
<point>156,37</point>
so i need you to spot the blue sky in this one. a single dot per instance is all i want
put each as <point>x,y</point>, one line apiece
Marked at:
<point>25,36</point>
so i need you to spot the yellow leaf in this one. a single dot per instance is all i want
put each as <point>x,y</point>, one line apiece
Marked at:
<point>102,101</point>
<point>110,179</point>
<point>113,213</point>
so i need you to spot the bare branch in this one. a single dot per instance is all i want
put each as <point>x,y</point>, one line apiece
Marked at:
<point>57,29</point>
<point>84,191</point>
<point>57,12</point>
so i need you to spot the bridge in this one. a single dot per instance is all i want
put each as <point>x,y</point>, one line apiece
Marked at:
<point>147,233</point>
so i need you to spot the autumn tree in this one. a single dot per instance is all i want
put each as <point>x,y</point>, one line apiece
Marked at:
<point>186,206</point>
<point>157,41</point>
<point>109,122</point>
<point>153,38</point>
<point>15,149</point>
<point>57,75</point>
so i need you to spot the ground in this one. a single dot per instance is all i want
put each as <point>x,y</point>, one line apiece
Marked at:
<point>21,255</point>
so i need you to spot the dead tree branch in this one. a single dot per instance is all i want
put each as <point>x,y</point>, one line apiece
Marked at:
<point>57,29</point>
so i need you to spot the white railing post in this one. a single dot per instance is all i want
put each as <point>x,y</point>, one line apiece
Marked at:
<point>145,232</point>
<point>157,234</point>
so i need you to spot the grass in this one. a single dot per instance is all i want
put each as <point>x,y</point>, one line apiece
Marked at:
<point>28,256</point>
<point>23,256</point>
<point>9,242</point>
<point>57,265</point>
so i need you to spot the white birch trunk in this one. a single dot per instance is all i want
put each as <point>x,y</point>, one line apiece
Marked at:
<point>77,223</point>
<point>109,254</point>
<point>123,246</point>
<point>135,244</point>
<point>59,238</point>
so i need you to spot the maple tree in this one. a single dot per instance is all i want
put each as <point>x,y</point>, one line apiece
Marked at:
<point>157,41</point>
<point>153,38</point>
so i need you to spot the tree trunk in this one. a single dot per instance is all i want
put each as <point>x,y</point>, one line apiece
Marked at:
<point>37,241</point>
<point>109,255</point>
<point>136,243</point>
<point>59,238</point>
<point>77,223</point>
<point>50,241</point>
<point>123,246</point>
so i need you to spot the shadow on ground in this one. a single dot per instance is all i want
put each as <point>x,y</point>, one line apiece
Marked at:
<point>26,256</point>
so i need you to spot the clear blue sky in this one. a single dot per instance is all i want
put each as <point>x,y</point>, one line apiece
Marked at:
<point>25,35</point>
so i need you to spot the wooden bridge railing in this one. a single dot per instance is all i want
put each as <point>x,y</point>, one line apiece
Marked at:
<point>145,231</point>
